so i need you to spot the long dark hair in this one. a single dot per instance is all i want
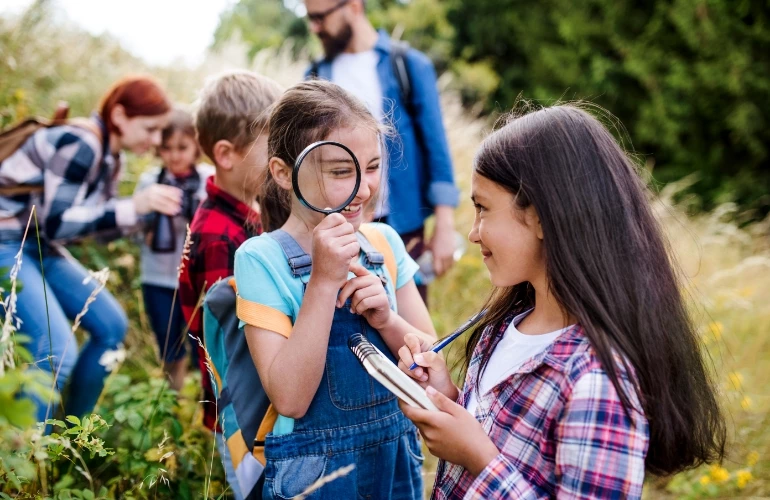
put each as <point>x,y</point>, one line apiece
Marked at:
<point>608,265</point>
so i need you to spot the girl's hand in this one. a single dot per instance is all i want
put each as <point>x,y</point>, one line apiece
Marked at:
<point>431,366</point>
<point>158,198</point>
<point>452,433</point>
<point>334,246</point>
<point>368,297</point>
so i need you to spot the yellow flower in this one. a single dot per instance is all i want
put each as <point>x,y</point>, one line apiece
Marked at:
<point>19,94</point>
<point>719,474</point>
<point>736,379</point>
<point>746,403</point>
<point>705,480</point>
<point>716,329</point>
<point>743,477</point>
<point>746,292</point>
<point>752,458</point>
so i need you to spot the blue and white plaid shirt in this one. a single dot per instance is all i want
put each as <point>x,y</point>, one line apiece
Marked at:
<point>79,186</point>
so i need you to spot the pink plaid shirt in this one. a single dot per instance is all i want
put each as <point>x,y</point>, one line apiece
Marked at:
<point>559,425</point>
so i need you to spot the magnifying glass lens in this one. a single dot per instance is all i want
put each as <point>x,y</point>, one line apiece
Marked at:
<point>327,177</point>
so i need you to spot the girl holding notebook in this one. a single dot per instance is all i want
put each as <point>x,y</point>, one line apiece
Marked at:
<point>585,371</point>
<point>330,413</point>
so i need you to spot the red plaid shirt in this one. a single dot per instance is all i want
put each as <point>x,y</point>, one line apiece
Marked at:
<point>560,428</point>
<point>217,230</point>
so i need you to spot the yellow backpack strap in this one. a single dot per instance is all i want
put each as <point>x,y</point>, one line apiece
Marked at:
<point>268,422</point>
<point>381,244</point>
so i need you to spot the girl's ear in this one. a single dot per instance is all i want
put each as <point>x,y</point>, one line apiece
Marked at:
<point>533,221</point>
<point>281,172</point>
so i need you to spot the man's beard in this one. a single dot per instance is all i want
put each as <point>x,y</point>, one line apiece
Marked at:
<point>335,45</point>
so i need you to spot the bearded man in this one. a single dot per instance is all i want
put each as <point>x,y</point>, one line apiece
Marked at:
<point>417,165</point>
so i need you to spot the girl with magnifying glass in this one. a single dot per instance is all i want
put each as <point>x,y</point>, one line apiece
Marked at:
<point>330,414</point>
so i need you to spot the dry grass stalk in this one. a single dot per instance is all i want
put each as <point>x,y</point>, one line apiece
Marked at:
<point>9,305</point>
<point>341,472</point>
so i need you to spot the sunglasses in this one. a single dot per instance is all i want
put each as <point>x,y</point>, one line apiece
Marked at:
<point>319,17</point>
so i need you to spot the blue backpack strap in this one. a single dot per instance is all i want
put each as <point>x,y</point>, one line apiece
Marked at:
<point>372,257</point>
<point>299,261</point>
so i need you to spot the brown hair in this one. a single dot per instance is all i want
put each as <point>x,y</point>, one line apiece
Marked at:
<point>307,112</point>
<point>181,121</point>
<point>234,106</point>
<point>139,95</point>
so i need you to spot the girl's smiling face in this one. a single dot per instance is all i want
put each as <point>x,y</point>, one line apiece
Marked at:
<point>510,238</point>
<point>328,178</point>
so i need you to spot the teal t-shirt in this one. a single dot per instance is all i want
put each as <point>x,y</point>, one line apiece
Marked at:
<point>263,275</point>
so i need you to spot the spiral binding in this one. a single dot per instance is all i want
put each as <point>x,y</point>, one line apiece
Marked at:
<point>361,347</point>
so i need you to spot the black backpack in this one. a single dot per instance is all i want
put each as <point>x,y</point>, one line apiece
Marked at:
<point>398,50</point>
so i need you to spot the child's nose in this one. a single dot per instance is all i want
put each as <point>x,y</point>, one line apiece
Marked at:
<point>473,236</point>
<point>365,190</point>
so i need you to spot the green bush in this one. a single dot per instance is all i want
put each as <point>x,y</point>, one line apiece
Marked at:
<point>690,79</point>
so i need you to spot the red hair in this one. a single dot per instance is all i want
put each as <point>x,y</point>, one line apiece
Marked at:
<point>139,96</point>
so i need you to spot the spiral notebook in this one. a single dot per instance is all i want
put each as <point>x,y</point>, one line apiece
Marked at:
<point>388,374</point>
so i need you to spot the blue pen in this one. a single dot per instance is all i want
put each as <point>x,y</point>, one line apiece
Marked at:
<point>440,344</point>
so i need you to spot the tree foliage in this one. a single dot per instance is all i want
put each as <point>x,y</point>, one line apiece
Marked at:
<point>690,79</point>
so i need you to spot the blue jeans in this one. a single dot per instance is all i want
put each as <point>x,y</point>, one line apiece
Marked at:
<point>53,345</point>
<point>171,338</point>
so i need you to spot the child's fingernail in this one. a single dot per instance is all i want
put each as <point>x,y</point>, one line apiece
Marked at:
<point>430,390</point>
<point>424,378</point>
<point>418,358</point>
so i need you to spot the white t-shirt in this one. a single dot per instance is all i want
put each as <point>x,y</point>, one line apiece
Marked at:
<point>513,350</point>
<point>357,73</point>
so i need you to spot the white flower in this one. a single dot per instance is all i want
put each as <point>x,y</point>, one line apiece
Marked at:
<point>111,359</point>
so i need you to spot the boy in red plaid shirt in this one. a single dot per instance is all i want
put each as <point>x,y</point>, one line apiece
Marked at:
<point>231,121</point>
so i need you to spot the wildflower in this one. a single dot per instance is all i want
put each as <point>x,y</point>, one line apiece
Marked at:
<point>719,474</point>
<point>736,379</point>
<point>112,358</point>
<point>746,403</point>
<point>716,329</point>
<point>752,458</point>
<point>742,478</point>
<point>705,480</point>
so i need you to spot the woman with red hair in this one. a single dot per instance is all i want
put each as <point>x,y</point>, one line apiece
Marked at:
<point>69,173</point>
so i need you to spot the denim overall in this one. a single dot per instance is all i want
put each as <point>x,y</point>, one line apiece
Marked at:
<point>352,419</point>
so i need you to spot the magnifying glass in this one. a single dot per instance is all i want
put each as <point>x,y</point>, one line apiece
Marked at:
<point>326,174</point>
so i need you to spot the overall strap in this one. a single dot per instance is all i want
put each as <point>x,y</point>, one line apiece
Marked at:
<point>298,260</point>
<point>372,258</point>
